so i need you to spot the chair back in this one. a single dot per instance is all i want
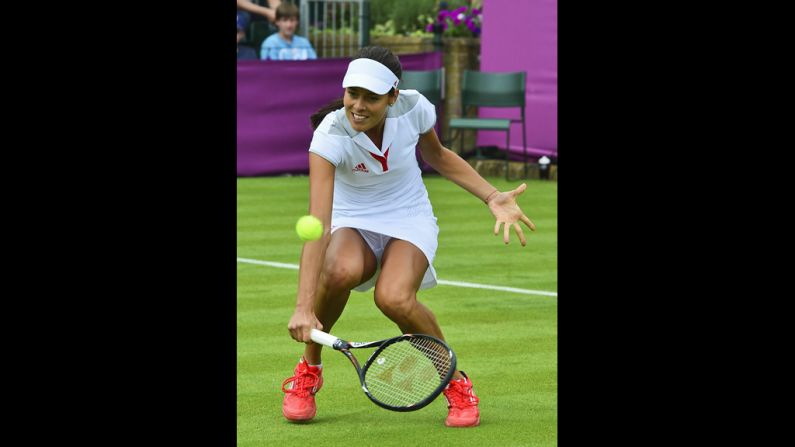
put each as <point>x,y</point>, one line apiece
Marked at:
<point>493,89</point>
<point>429,83</point>
<point>259,30</point>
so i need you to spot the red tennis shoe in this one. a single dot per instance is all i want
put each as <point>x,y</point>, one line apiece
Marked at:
<point>462,403</point>
<point>299,392</point>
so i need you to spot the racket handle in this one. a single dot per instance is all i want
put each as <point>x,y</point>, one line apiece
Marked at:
<point>323,338</point>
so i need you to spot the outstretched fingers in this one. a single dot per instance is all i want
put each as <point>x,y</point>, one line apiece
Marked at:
<point>509,214</point>
<point>506,232</point>
<point>528,222</point>
<point>520,189</point>
<point>520,233</point>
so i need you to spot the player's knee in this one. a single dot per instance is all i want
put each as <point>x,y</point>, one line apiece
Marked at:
<point>340,277</point>
<point>395,304</point>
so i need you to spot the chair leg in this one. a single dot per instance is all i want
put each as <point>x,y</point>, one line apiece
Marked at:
<point>524,147</point>
<point>507,152</point>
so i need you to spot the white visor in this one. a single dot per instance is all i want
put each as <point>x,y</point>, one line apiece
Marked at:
<point>369,74</point>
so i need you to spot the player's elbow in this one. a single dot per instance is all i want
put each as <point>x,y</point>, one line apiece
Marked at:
<point>443,161</point>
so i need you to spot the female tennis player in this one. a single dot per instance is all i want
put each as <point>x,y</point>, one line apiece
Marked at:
<point>379,227</point>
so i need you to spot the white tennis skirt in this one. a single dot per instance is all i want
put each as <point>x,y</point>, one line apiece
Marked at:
<point>422,233</point>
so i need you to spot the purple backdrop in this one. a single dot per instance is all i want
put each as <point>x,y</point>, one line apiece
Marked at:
<point>275,100</point>
<point>523,35</point>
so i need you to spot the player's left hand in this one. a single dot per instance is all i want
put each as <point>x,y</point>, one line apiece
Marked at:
<point>504,208</point>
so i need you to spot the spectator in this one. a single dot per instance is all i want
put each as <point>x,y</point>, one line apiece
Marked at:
<point>269,12</point>
<point>243,51</point>
<point>285,45</point>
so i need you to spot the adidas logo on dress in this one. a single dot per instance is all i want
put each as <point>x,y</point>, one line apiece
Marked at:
<point>361,168</point>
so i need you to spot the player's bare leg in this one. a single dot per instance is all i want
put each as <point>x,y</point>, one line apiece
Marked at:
<point>349,262</point>
<point>402,269</point>
<point>403,266</point>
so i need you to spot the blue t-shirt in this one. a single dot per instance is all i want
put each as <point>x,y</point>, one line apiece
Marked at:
<point>276,48</point>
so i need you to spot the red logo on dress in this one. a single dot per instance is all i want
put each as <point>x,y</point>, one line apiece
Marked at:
<point>382,160</point>
<point>361,168</point>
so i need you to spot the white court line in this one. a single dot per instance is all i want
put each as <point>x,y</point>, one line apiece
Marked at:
<point>268,263</point>
<point>440,281</point>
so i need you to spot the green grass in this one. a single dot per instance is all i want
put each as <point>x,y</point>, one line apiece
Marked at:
<point>506,342</point>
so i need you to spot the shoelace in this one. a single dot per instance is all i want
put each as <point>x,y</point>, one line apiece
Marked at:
<point>460,395</point>
<point>303,381</point>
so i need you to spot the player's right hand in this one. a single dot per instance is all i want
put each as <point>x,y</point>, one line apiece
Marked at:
<point>301,325</point>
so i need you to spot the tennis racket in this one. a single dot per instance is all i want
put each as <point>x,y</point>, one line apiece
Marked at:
<point>405,373</point>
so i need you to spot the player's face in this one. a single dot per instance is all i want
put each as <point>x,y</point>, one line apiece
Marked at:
<point>365,109</point>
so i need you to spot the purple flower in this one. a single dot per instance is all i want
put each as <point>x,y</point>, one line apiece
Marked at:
<point>460,10</point>
<point>452,20</point>
<point>429,28</point>
<point>457,13</point>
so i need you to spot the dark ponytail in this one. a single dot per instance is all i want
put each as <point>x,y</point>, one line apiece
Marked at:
<point>378,54</point>
<point>318,116</point>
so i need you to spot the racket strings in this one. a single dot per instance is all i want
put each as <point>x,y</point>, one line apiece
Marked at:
<point>407,372</point>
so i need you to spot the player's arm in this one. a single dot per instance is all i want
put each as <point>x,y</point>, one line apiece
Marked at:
<point>502,204</point>
<point>321,193</point>
<point>269,13</point>
<point>450,165</point>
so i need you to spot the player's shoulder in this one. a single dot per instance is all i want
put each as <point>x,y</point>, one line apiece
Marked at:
<point>333,124</point>
<point>408,100</point>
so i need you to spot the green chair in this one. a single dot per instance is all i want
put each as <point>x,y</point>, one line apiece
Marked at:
<point>430,83</point>
<point>492,89</point>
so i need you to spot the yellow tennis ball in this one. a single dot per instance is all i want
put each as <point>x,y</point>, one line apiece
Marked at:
<point>309,228</point>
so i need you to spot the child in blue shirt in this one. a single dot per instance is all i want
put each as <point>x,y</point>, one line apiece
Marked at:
<point>285,45</point>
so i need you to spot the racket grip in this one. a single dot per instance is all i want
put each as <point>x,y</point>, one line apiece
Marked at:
<point>323,338</point>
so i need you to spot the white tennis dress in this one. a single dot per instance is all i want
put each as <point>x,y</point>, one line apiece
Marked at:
<point>380,190</point>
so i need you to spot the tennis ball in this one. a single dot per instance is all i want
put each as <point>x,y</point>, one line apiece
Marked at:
<point>309,228</point>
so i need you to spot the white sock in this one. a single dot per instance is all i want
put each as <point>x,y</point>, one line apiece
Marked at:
<point>319,366</point>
